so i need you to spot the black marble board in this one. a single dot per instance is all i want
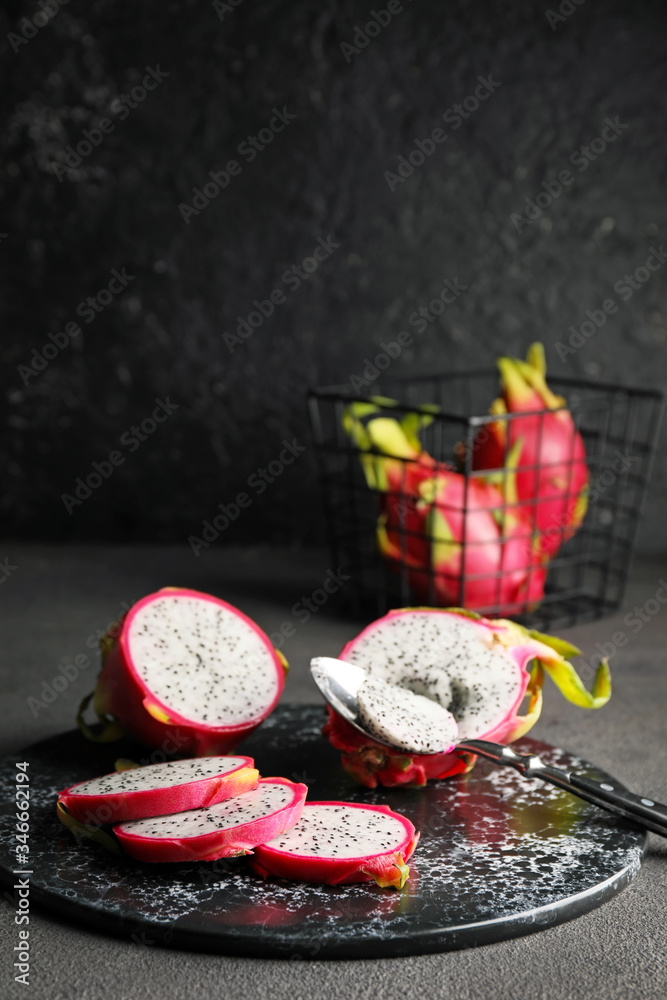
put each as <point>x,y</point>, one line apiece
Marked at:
<point>499,857</point>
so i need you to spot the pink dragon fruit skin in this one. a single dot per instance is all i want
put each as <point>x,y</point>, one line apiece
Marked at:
<point>369,763</point>
<point>123,693</point>
<point>227,829</point>
<point>552,477</point>
<point>157,789</point>
<point>415,646</point>
<point>427,509</point>
<point>497,569</point>
<point>338,843</point>
<point>403,515</point>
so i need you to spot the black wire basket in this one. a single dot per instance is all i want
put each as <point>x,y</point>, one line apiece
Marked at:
<point>585,575</point>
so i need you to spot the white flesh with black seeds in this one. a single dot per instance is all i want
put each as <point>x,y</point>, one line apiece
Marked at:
<point>341,832</point>
<point>405,720</point>
<point>242,809</point>
<point>166,775</point>
<point>449,659</point>
<point>202,660</point>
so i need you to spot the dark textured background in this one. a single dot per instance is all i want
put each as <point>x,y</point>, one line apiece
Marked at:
<point>322,175</point>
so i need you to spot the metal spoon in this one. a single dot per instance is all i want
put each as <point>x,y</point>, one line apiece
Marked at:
<point>339,683</point>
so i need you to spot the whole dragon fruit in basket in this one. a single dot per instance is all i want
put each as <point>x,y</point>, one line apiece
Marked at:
<point>341,842</point>
<point>552,474</point>
<point>188,673</point>
<point>460,541</point>
<point>225,830</point>
<point>480,550</point>
<point>389,447</point>
<point>479,670</point>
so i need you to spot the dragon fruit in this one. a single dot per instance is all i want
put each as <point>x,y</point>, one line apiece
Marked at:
<point>341,842</point>
<point>404,719</point>
<point>188,672</point>
<point>387,445</point>
<point>225,830</point>
<point>479,670</point>
<point>460,540</point>
<point>480,550</point>
<point>156,789</point>
<point>552,477</point>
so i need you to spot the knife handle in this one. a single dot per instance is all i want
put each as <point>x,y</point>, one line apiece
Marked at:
<point>608,794</point>
<point>640,809</point>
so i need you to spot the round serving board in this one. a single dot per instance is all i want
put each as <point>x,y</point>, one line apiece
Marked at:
<point>499,856</point>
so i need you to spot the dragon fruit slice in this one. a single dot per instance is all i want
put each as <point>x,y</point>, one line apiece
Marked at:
<point>341,842</point>
<point>188,672</point>
<point>225,830</point>
<point>479,670</point>
<point>156,789</point>
<point>404,719</point>
<point>552,477</point>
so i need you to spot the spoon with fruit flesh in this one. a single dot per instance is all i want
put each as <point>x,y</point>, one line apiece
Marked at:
<point>398,718</point>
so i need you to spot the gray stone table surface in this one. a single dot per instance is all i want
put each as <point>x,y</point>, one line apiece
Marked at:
<point>56,598</point>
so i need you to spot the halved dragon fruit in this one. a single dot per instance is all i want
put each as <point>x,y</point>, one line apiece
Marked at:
<point>189,672</point>
<point>341,842</point>
<point>156,789</point>
<point>225,830</point>
<point>479,670</point>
